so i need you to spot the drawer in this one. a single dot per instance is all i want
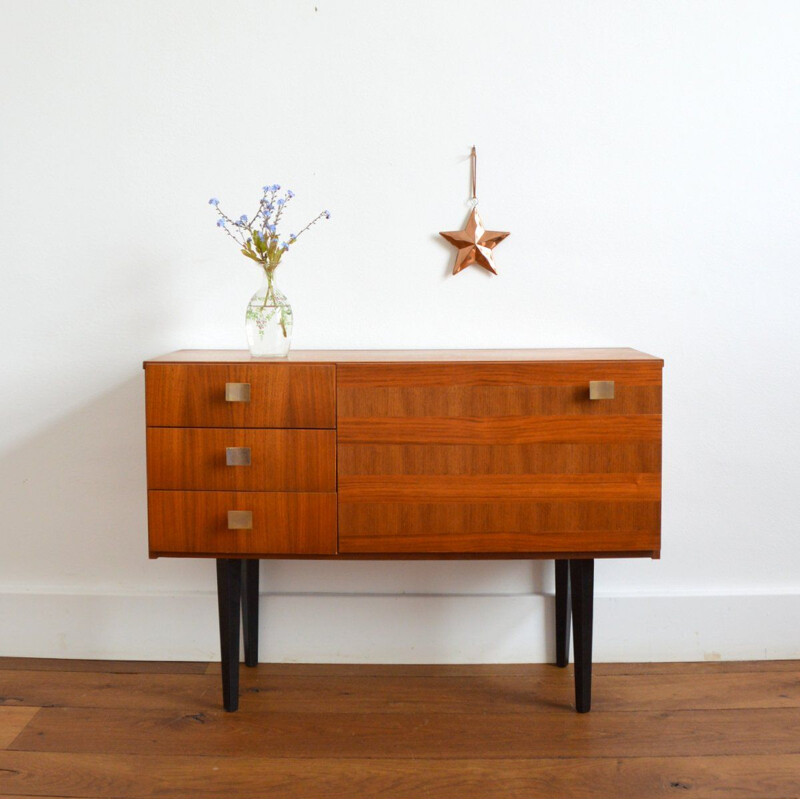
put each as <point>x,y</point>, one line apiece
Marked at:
<point>242,459</point>
<point>241,395</point>
<point>460,402</point>
<point>277,523</point>
<point>511,526</point>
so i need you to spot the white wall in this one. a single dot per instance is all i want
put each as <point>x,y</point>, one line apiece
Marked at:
<point>645,158</point>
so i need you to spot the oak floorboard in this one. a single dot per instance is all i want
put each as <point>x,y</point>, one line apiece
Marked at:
<point>412,694</point>
<point>541,670</point>
<point>94,665</point>
<point>76,775</point>
<point>13,720</point>
<point>425,735</point>
<point>18,796</point>
<point>322,730</point>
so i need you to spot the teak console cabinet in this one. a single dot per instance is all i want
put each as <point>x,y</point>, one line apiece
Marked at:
<point>403,455</point>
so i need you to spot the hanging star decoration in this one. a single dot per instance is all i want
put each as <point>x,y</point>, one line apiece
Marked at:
<point>475,244</point>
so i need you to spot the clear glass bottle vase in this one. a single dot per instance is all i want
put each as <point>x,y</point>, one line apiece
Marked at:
<point>268,320</point>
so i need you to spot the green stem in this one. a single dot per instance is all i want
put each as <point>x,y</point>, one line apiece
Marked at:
<point>270,295</point>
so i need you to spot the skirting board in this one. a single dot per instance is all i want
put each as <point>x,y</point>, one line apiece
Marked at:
<point>399,629</point>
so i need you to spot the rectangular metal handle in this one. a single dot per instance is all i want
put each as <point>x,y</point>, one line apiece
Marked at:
<point>601,390</point>
<point>237,392</point>
<point>237,456</point>
<point>240,520</point>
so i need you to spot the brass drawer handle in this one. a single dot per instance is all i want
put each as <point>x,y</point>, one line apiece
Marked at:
<point>237,456</point>
<point>601,390</point>
<point>240,520</point>
<point>237,392</point>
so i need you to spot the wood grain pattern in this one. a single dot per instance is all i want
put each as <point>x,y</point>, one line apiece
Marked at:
<point>504,373</point>
<point>499,430</point>
<point>555,458</point>
<point>411,356</point>
<point>289,460</point>
<point>688,669</point>
<point>546,734</point>
<point>449,458</point>
<point>12,721</point>
<point>428,691</point>
<point>283,523</point>
<point>490,400</point>
<point>103,775</point>
<point>282,395</point>
<point>534,544</point>
<point>498,488</point>
<point>709,729</point>
<point>439,452</point>
<point>66,665</point>
<point>443,519</point>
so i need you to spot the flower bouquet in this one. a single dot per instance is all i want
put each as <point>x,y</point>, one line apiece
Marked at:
<point>268,320</point>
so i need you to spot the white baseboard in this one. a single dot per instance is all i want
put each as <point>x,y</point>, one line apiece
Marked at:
<point>342,628</point>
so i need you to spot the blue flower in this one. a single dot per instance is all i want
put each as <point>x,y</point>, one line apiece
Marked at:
<point>243,219</point>
<point>266,188</point>
<point>292,237</point>
<point>213,201</point>
<point>271,228</point>
<point>220,223</point>
<point>327,214</point>
<point>275,187</point>
<point>289,194</point>
<point>284,246</point>
<point>280,201</point>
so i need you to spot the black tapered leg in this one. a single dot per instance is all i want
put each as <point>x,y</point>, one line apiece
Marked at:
<point>250,610</point>
<point>229,592</point>
<point>563,612</point>
<point>582,580</point>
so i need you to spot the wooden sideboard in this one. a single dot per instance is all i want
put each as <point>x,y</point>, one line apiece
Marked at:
<point>404,455</point>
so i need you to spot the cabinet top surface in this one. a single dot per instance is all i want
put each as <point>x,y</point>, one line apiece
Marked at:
<point>407,356</point>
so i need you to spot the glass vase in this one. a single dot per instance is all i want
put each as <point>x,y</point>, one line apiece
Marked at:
<point>268,321</point>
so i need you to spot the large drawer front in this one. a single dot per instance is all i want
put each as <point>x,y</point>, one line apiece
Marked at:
<point>242,459</point>
<point>198,523</point>
<point>241,395</point>
<point>499,458</point>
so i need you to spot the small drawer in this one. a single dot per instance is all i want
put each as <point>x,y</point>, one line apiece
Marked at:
<point>241,459</point>
<point>241,395</point>
<point>485,392</point>
<point>242,523</point>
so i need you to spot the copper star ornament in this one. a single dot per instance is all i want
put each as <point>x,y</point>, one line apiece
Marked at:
<point>474,243</point>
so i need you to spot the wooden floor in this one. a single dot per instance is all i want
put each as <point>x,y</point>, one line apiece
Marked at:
<point>134,729</point>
